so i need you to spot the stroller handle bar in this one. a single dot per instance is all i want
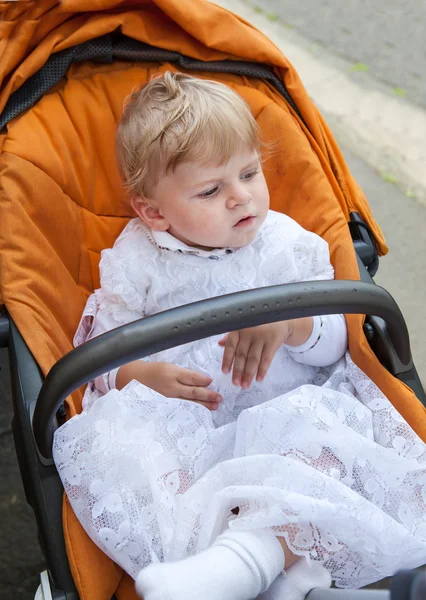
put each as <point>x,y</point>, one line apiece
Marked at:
<point>339,594</point>
<point>203,319</point>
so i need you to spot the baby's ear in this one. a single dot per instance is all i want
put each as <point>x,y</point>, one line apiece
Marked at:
<point>150,213</point>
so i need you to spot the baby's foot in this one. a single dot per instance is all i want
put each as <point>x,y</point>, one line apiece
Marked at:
<point>239,566</point>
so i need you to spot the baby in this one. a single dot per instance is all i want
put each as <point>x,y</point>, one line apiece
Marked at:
<point>207,469</point>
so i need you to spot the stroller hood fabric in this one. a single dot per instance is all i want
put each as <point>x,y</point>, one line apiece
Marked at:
<point>61,199</point>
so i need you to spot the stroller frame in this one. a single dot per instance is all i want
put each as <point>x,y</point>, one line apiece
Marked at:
<point>38,402</point>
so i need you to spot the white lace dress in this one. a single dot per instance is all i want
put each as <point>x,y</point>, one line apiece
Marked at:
<point>315,453</point>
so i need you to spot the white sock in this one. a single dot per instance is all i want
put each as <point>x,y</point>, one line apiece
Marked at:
<point>298,581</point>
<point>238,566</point>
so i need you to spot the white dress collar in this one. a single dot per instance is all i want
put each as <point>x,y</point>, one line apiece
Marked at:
<point>167,241</point>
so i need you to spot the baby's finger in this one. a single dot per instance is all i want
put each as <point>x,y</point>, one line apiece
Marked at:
<point>192,378</point>
<point>209,405</point>
<point>200,394</point>
<point>265,362</point>
<point>229,353</point>
<point>240,360</point>
<point>222,342</point>
<point>252,364</point>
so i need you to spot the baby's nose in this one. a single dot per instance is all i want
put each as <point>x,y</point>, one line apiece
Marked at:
<point>239,195</point>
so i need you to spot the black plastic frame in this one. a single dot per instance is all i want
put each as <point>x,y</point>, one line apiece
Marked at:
<point>339,594</point>
<point>204,319</point>
<point>377,334</point>
<point>4,329</point>
<point>363,241</point>
<point>42,485</point>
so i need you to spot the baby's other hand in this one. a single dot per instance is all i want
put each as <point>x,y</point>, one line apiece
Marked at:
<point>250,351</point>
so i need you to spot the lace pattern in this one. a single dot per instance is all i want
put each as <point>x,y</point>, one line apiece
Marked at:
<point>318,455</point>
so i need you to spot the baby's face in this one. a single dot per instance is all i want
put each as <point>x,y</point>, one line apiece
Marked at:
<point>211,206</point>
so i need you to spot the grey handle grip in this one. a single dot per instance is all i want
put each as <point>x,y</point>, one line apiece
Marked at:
<point>336,594</point>
<point>204,319</point>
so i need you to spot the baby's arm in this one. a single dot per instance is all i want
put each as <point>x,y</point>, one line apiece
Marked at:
<point>103,322</point>
<point>170,381</point>
<point>318,341</point>
<point>167,379</point>
<point>326,344</point>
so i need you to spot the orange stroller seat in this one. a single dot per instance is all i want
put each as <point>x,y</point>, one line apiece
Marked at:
<point>62,202</point>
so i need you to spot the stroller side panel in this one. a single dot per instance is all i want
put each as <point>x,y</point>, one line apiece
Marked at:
<point>42,486</point>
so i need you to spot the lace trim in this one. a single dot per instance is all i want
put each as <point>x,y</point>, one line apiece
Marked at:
<point>166,241</point>
<point>317,338</point>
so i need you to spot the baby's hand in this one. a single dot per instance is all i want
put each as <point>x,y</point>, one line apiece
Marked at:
<point>171,381</point>
<point>251,351</point>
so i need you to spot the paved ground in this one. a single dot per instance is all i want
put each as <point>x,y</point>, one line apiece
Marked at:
<point>388,38</point>
<point>386,130</point>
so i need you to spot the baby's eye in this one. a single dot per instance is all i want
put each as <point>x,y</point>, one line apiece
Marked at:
<point>209,193</point>
<point>250,175</point>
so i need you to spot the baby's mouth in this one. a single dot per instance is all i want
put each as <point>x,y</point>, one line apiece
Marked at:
<point>245,221</point>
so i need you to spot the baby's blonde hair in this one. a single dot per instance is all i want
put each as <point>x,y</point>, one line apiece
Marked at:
<point>178,118</point>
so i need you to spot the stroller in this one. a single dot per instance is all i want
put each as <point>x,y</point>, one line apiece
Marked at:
<point>65,70</point>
